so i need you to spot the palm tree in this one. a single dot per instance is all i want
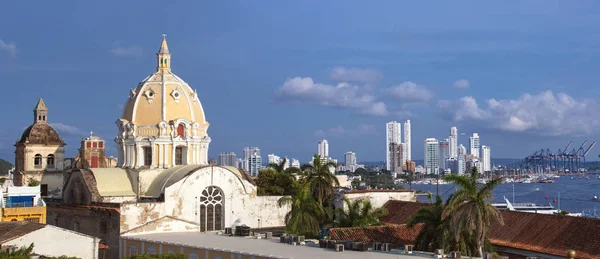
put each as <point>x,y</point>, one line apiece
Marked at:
<point>305,212</point>
<point>469,209</point>
<point>360,213</point>
<point>432,234</point>
<point>320,179</point>
<point>286,177</point>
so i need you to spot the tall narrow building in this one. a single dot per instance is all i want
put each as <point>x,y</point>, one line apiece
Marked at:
<point>228,159</point>
<point>486,158</point>
<point>474,145</point>
<point>407,139</point>
<point>453,142</point>
<point>252,160</point>
<point>432,156</point>
<point>444,154</point>
<point>392,135</point>
<point>323,149</point>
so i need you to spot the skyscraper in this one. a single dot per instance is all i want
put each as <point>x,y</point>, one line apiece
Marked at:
<point>323,149</point>
<point>392,135</point>
<point>444,153</point>
<point>453,142</point>
<point>350,159</point>
<point>228,159</point>
<point>462,150</point>
<point>432,156</point>
<point>474,145</point>
<point>396,156</point>
<point>252,160</point>
<point>486,158</point>
<point>407,141</point>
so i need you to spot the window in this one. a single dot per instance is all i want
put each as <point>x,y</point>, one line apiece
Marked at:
<point>151,250</point>
<point>95,144</point>
<point>101,145</point>
<point>88,145</point>
<point>179,156</point>
<point>181,130</point>
<point>147,156</point>
<point>37,161</point>
<point>193,255</point>
<point>133,250</point>
<point>50,161</point>
<point>211,209</point>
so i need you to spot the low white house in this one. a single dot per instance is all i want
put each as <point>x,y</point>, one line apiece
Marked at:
<point>47,240</point>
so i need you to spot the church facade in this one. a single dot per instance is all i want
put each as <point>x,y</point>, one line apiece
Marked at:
<point>163,181</point>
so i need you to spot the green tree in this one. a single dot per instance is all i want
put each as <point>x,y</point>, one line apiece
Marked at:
<point>266,183</point>
<point>33,182</point>
<point>286,177</point>
<point>469,208</point>
<point>320,178</point>
<point>432,234</point>
<point>305,213</point>
<point>360,213</point>
<point>25,252</point>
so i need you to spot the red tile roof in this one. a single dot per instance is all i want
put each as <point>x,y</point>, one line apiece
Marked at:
<point>400,212</point>
<point>548,234</point>
<point>366,191</point>
<point>397,235</point>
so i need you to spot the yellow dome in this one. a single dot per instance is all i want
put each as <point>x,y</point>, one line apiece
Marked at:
<point>163,96</point>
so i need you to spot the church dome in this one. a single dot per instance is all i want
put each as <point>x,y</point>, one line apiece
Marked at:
<point>41,133</point>
<point>163,97</point>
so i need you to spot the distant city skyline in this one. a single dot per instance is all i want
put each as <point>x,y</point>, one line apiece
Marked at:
<point>435,66</point>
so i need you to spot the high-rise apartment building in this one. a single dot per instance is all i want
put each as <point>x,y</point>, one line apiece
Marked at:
<point>228,159</point>
<point>350,158</point>
<point>444,153</point>
<point>462,150</point>
<point>453,142</point>
<point>486,159</point>
<point>252,160</point>
<point>323,149</point>
<point>407,139</point>
<point>474,145</point>
<point>295,163</point>
<point>432,156</point>
<point>396,155</point>
<point>392,135</point>
<point>272,158</point>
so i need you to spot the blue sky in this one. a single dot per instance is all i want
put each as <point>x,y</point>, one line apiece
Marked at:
<point>282,75</point>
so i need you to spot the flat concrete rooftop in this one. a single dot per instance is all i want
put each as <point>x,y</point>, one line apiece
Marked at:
<point>261,247</point>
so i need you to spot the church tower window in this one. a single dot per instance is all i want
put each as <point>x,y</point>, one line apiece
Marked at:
<point>147,156</point>
<point>179,156</point>
<point>181,131</point>
<point>37,161</point>
<point>211,209</point>
<point>50,161</point>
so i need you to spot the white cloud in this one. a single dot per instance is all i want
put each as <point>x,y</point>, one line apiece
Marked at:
<point>462,83</point>
<point>355,75</point>
<point>10,48</point>
<point>342,95</point>
<point>410,92</point>
<point>67,129</point>
<point>339,131</point>
<point>119,50</point>
<point>545,113</point>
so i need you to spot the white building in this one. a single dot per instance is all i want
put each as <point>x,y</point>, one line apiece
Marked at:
<point>228,159</point>
<point>474,145</point>
<point>48,240</point>
<point>432,156</point>
<point>486,158</point>
<point>392,135</point>
<point>252,160</point>
<point>323,149</point>
<point>462,150</point>
<point>407,139</point>
<point>272,158</point>
<point>295,163</point>
<point>453,142</point>
<point>350,161</point>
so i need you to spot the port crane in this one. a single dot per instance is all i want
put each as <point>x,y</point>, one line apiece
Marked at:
<point>563,160</point>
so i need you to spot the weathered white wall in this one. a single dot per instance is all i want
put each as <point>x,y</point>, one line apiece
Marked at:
<point>377,198</point>
<point>136,214</point>
<point>54,241</point>
<point>162,225</point>
<point>54,181</point>
<point>242,205</point>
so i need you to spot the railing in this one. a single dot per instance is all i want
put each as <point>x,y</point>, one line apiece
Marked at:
<point>10,204</point>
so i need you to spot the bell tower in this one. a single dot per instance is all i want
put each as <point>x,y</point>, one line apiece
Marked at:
<point>163,56</point>
<point>40,112</point>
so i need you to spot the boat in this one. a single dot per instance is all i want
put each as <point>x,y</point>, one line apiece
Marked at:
<point>595,198</point>
<point>525,207</point>
<point>537,189</point>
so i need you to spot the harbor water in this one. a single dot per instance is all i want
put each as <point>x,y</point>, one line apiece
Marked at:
<point>576,195</point>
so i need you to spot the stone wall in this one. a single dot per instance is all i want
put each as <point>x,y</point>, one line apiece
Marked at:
<point>136,214</point>
<point>98,221</point>
<point>377,197</point>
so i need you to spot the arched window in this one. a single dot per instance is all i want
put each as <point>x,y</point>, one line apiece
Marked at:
<point>193,255</point>
<point>133,250</point>
<point>211,209</point>
<point>151,250</point>
<point>179,156</point>
<point>50,161</point>
<point>37,161</point>
<point>181,130</point>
